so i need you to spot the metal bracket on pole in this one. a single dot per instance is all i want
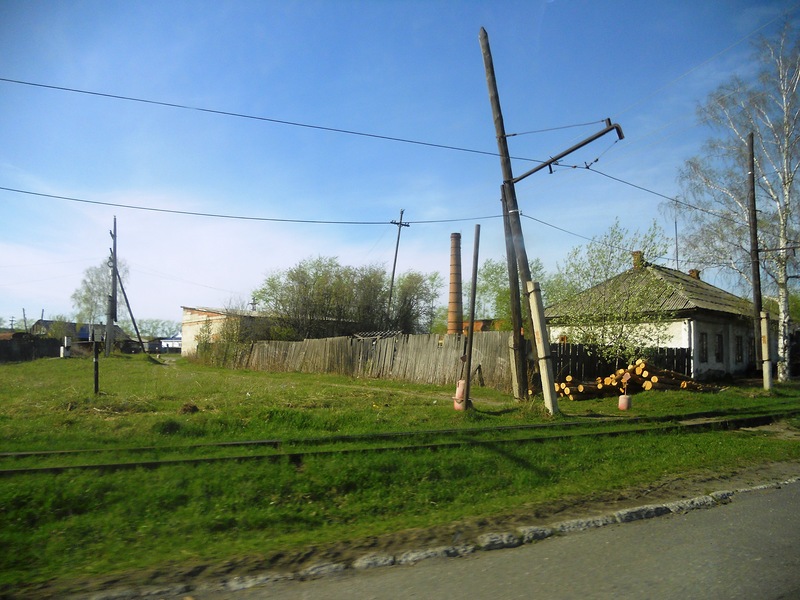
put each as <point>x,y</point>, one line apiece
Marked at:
<point>548,163</point>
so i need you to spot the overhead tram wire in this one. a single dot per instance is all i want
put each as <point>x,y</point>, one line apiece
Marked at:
<point>259,118</point>
<point>237,217</point>
<point>670,198</point>
<point>192,213</point>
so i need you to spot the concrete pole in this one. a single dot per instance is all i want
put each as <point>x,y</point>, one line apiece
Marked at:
<point>543,348</point>
<point>766,363</point>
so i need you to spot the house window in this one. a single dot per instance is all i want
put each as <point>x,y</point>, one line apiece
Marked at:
<point>718,348</point>
<point>739,349</point>
<point>703,347</point>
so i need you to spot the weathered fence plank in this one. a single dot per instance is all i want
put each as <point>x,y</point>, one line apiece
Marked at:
<point>432,359</point>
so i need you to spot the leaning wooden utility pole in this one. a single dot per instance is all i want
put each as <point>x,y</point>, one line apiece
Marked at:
<point>519,356</point>
<point>511,213</point>
<point>532,290</point>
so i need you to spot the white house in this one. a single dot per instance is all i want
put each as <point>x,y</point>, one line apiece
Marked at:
<point>714,325</point>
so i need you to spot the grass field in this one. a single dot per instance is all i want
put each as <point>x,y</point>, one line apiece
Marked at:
<point>84,523</point>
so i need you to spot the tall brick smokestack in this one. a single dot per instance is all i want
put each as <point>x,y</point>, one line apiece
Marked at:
<point>455,309</point>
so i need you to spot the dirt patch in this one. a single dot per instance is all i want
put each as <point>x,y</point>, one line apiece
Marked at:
<point>780,430</point>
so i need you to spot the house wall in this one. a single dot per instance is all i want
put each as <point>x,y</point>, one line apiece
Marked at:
<point>690,333</point>
<point>707,361</point>
<point>194,319</point>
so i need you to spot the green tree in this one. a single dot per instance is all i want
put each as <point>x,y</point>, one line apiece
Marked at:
<point>158,328</point>
<point>414,303</point>
<point>717,235</point>
<point>319,297</point>
<point>591,300</point>
<point>60,327</point>
<point>493,294</point>
<point>90,300</point>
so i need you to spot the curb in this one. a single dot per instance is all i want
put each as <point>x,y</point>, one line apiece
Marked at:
<point>483,542</point>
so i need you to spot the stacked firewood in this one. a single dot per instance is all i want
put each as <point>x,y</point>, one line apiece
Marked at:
<point>638,377</point>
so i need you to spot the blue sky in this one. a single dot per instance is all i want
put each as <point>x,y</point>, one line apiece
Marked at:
<point>400,69</point>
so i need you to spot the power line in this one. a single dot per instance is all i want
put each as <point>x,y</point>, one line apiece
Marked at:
<point>257,118</point>
<point>670,198</point>
<point>238,217</point>
<point>593,240</point>
<point>192,213</point>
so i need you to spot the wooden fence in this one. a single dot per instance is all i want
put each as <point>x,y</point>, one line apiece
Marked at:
<point>583,363</point>
<point>28,348</point>
<point>433,359</point>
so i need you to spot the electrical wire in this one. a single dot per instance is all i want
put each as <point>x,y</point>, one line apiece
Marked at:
<point>508,135</point>
<point>239,217</point>
<point>192,213</point>
<point>670,198</point>
<point>259,118</point>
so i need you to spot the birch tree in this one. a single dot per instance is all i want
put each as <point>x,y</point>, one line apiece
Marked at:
<point>598,299</point>
<point>717,235</point>
<point>90,299</point>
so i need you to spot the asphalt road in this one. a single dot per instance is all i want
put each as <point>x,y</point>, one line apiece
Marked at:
<point>749,548</point>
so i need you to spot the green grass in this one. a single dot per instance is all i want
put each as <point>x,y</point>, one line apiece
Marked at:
<point>87,523</point>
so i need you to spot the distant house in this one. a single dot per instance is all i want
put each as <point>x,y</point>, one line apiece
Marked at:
<point>714,325</point>
<point>199,322</point>
<point>82,333</point>
<point>171,344</point>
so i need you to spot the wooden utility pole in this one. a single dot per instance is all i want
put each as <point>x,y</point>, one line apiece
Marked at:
<point>755,267</point>
<point>519,359</point>
<point>536,325</point>
<point>518,265</point>
<point>400,226</point>
<point>130,312</point>
<point>511,213</point>
<point>472,294</point>
<point>111,315</point>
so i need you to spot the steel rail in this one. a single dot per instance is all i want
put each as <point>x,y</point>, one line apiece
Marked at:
<point>359,437</point>
<point>297,457</point>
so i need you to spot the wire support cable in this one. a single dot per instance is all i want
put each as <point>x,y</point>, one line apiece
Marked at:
<point>548,129</point>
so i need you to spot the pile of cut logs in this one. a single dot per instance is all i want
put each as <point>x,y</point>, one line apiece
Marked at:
<point>638,377</point>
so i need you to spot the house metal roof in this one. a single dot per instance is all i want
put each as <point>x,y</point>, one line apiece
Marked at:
<point>678,293</point>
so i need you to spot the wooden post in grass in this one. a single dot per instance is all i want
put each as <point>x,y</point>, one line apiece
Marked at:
<point>96,363</point>
<point>467,399</point>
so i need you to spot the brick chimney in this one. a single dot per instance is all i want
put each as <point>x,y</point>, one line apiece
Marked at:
<point>455,310</point>
<point>638,259</point>
<point>694,274</point>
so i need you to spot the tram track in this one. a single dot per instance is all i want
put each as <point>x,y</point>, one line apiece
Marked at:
<point>296,451</point>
